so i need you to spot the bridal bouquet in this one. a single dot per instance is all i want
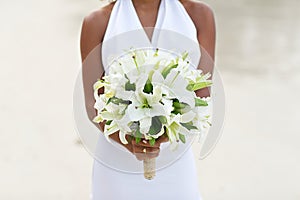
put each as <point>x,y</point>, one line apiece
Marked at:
<point>148,93</point>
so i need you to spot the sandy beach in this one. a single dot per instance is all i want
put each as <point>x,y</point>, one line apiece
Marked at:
<point>258,156</point>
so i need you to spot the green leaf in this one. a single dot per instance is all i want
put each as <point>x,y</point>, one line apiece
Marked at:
<point>156,126</point>
<point>129,86</point>
<point>198,86</point>
<point>182,138</point>
<point>138,140</point>
<point>179,105</point>
<point>200,102</point>
<point>188,125</point>
<point>148,88</point>
<point>117,101</point>
<point>108,122</point>
<point>138,136</point>
<point>175,100</point>
<point>190,86</point>
<point>130,138</point>
<point>167,70</point>
<point>176,111</point>
<point>108,101</point>
<point>163,119</point>
<point>152,141</point>
<point>114,100</point>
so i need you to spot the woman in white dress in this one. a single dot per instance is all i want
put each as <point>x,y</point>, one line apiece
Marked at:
<point>193,19</point>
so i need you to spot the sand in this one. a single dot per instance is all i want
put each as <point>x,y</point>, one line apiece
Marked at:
<point>257,55</point>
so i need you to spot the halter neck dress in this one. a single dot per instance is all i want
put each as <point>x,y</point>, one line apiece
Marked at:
<point>174,30</point>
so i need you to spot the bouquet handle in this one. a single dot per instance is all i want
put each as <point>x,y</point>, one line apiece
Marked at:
<point>149,168</point>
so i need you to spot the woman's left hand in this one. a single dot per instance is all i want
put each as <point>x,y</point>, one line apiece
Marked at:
<point>144,149</point>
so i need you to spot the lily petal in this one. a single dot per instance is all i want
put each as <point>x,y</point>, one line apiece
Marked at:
<point>187,117</point>
<point>157,110</point>
<point>145,124</point>
<point>122,136</point>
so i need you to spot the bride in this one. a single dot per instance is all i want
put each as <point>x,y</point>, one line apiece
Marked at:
<point>191,18</point>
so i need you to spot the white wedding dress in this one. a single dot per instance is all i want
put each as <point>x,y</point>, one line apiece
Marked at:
<point>177,181</point>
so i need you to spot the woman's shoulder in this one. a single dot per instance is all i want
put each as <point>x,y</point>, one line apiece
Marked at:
<point>101,13</point>
<point>96,21</point>
<point>197,7</point>
<point>200,12</point>
<point>93,29</point>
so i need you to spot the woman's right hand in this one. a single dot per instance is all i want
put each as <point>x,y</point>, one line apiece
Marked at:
<point>144,149</point>
<point>141,150</point>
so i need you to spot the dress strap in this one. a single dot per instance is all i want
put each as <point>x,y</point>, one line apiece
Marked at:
<point>174,30</point>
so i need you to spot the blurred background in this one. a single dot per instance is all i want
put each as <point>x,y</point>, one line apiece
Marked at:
<point>258,55</point>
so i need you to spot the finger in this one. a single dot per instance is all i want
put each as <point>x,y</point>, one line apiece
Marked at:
<point>157,143</point>
<point>145,152</point>
<point>162,139</point>
<point>144,143</point>
<point>129,147</point>
<point>148,150</point>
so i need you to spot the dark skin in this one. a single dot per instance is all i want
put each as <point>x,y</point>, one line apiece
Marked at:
<point>92,33</point>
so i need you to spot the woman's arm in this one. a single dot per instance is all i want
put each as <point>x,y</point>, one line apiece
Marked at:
<point>92,32</point>
<point>203,18</point>
<point>206,30</point>
<point>91,35</point>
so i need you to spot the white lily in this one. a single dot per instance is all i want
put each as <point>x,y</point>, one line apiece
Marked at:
<point>110,129</point>
<point>100,103</point>
<point>203,116</point>
<point>113,111</point>
<point>174,86</point>
<point>145,106</point>
<point>126,84</point>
